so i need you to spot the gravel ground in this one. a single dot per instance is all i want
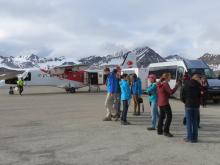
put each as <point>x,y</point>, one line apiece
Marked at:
<point>46,126</point>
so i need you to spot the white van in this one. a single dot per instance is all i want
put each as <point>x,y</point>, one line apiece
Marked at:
<point>177,70</point>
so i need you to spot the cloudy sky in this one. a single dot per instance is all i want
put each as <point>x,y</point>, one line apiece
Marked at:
<point>78,28</point>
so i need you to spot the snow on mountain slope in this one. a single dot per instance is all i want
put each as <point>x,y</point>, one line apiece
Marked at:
<point>144,56</point>
<point>213,60</point>
<point>33,61</point>
<point>174,58</point>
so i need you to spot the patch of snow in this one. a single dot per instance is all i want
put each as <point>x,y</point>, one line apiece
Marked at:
<point>215,67</point>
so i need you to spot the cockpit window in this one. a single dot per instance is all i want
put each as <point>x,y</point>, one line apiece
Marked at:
<point>28,77</point>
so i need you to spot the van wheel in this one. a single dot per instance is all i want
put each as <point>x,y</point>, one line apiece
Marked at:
<point>215,101</point>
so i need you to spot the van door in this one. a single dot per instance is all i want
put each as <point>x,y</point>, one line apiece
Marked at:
<point>179,77</point>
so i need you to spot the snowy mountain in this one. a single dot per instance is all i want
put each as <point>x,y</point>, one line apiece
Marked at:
<point>114,59</point>
<point>174,58</point>
<point>30,61</point>
<point>213,60</point>
<point>144,55</point>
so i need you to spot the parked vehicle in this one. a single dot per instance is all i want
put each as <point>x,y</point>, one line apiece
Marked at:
<point>178,69</point>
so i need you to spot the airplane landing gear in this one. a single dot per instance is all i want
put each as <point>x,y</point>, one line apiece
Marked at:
<point>11,91</point>
<point>71,90</point>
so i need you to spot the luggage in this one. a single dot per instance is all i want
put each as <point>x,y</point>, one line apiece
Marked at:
<point>140,100</point>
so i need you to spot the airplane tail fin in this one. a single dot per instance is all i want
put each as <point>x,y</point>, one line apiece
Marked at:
<point>130,60</point>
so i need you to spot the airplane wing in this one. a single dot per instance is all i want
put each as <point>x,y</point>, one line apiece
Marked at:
<point>58,70</point>
<point>9,73</point>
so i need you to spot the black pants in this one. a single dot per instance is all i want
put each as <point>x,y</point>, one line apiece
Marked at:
<point>20,88</point>
<point>204,99</point>
<point>165,112</point>
<point>125,111</point>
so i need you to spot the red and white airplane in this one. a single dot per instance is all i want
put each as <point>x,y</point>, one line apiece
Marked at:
<point>69,77</point>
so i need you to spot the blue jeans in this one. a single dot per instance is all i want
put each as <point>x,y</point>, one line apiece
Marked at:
<point>125,111</point>
<point>154,113</point>
<point>192,123</point>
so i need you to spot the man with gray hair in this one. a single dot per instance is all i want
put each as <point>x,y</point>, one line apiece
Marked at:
<point>112,86</point>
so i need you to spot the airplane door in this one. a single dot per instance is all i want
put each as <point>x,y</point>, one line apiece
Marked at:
<point>100,78</point>
<point>86,78</point>
<point>93,78</point>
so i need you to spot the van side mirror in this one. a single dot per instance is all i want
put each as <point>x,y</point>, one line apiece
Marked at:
<point>219,76</point>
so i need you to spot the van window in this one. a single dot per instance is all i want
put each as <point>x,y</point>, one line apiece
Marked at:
<point>203,71</point>
<point>158,71</point>
<point>180,73</point>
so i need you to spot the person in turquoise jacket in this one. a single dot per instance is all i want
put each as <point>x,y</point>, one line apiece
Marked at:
<point>153,98</point>
<point>125,97</point>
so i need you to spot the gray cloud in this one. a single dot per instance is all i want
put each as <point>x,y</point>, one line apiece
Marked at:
<point>81,28</point>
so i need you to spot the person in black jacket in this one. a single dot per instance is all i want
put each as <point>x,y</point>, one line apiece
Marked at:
<point>191,96</point>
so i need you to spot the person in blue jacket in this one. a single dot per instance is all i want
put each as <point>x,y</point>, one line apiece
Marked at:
<point>125,97</point>
<point>153,98</point>
<point>112,88</point>
<point>136,90</point>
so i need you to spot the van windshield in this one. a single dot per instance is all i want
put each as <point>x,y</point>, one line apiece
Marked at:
<point>203,71</point>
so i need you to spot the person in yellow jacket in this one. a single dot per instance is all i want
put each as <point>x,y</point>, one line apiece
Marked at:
<point>20,84</point>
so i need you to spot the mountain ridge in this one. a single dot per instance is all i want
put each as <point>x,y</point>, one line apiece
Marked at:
<point>144,56</point>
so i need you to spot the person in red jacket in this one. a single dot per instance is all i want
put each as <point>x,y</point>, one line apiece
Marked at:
<point>164,92</point>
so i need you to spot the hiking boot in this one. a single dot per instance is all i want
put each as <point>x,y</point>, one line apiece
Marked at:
<point>107,119</point>
<point>168,134</point>
<point>160,133</point>
<point>151,129</point>
<point>116,119</point>
<point>138,114</point>
<point>114,116</point>
<point>194,141</point>
<point>118,115</point>
<point>186,140</point>
<point>184,121</point>
<point>125,123</point>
